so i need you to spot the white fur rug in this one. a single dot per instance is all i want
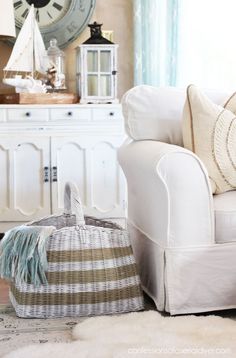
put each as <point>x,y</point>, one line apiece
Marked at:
<point>144,334</point>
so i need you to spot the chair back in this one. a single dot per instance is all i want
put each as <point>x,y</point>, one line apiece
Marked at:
<point>155,113</point>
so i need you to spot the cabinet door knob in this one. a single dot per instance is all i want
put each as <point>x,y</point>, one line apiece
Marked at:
<point>111,114</point>
<point>28,114</point>
<point>54,174</point>
<point>70,114</point>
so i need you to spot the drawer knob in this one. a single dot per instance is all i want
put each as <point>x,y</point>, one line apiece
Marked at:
<point>111,114</point>
<point>28,114</point>
<point>70,113</point>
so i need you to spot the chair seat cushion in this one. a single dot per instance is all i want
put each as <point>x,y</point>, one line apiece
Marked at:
<point>225,217</point>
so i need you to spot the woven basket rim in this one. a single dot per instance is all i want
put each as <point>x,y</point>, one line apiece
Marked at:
<point>115,226</point>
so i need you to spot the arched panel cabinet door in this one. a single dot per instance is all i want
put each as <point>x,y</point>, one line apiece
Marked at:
<point>89,161</point>
<point>68,163</point>
<point>25,187</point>
<point>107,185</point>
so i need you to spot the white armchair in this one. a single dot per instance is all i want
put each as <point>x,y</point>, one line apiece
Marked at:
<point>184,239</point>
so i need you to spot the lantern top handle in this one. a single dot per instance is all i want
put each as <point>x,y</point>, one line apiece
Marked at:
<point>96,37</point>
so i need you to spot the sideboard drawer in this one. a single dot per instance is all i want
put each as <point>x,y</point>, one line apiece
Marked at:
<point>65,114</point>
<point>2,115</point>
<point>28,114</point>
<point>107,114</point>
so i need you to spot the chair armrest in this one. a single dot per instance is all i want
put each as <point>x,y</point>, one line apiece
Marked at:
<point>169,194</point>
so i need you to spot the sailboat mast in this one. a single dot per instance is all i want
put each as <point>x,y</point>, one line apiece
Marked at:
<point>33,39</point>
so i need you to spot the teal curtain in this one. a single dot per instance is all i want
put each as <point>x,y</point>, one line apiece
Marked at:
<point>155,42</point>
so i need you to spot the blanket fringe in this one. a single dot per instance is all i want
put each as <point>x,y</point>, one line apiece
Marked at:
<point>23,255</point>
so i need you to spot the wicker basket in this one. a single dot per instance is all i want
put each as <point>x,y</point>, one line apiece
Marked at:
<point>91,268</point>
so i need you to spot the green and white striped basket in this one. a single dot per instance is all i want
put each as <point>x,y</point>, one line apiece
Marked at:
<point>91,268</point>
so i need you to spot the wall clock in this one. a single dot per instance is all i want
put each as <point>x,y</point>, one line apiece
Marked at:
<point>60,19</point>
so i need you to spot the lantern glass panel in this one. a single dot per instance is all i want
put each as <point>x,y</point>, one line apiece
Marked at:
<point>92,60</point>
<point>105,85</point>
<point>105,61</point>
<point>92,85</point>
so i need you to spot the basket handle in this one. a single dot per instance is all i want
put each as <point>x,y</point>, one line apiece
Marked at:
<point>73,204</point>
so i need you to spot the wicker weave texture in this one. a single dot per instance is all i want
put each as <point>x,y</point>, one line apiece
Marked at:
<point>91,268</point>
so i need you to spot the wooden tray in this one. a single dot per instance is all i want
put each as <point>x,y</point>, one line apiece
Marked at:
<point>38,98</point>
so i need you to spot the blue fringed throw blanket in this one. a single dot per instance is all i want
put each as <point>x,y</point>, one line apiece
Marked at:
<point>23,255</point>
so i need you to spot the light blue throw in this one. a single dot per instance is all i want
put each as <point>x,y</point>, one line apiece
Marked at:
<point>23,255</point>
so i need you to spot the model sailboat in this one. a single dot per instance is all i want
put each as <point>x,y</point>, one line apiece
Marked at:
<point>28,59</point>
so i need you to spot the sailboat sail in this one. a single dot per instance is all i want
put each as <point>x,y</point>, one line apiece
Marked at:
<point>28,54</point>
<point>41,62</point>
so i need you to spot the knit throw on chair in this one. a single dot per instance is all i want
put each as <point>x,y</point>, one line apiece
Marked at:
<point>23,255</point>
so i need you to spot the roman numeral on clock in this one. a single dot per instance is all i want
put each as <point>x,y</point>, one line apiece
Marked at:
<point>57,6</point>
<point>37,15</point>
<point>17,4</point>
<point>49,15</point>
<point>25,13</point>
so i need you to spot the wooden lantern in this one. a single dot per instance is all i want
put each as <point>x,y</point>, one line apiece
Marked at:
<point>97,68</point>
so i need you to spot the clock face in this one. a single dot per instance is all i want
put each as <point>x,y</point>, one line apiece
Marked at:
<point>60,19</point>
<point>46,12</point>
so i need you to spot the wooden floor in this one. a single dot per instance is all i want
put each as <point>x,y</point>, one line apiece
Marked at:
<point>4,298</point>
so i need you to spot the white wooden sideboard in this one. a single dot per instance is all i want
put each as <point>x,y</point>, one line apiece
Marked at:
<point>43,146</point>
